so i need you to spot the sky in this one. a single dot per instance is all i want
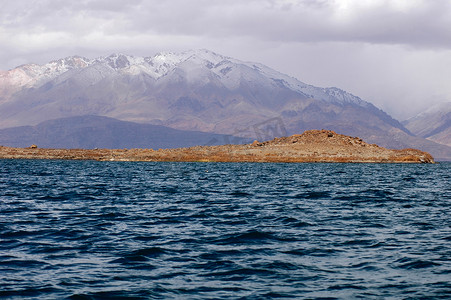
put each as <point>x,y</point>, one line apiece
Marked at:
<point>395,54</point>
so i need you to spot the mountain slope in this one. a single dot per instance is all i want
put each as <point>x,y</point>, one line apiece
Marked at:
<point>168,89</point>
<point>89,132</point>
<point>433,124</point>
<point>194,90</point>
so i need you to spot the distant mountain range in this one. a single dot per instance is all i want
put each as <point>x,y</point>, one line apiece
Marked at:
<point>89,132</point>
<point>197,91</point>
<point>433,124</point>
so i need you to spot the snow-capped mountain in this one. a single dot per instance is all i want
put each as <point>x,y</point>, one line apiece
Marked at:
<point>200,64</point>
<point>194,90</point>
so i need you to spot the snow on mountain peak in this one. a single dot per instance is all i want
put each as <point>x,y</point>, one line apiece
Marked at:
<point>33,74</point>
<point>207,55</point>
<point>198,64</point>
<point>119,61</point>
<point>441,108</point>
<point>60,66</point>
<point>190,54</point>
<point>164,62</point>
<point>333,94</point>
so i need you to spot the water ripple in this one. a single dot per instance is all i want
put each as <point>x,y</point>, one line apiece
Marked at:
<point>110,230</point>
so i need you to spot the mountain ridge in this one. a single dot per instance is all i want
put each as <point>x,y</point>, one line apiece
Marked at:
<point>88,132</point>
<point>433,124</point>
<point>162,63</point>
<point>196,90</point>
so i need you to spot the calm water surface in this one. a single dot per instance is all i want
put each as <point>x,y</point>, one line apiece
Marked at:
<point>95,230</point>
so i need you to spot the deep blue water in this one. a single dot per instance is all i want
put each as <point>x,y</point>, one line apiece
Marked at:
<point>94,230</point>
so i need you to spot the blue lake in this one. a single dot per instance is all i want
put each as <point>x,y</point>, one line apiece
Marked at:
<point>131,230</point>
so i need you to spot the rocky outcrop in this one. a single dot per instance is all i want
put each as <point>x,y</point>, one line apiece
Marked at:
<point>311,146</point>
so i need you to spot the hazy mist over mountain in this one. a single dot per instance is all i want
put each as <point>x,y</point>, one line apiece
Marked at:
<point>196,90</point>
<point>433,124</point>
<point>395,54</point>
<point>225,149</point>
<point>389,62</point>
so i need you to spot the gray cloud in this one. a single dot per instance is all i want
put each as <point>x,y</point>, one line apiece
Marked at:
<point>346,43</point>
<point>414,23</point>
<point>420,23</point>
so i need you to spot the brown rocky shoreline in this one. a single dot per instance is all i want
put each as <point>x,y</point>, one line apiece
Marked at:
<point>310,146</point>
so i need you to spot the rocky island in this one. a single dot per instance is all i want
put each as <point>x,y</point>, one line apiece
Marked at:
<point>310,146</point>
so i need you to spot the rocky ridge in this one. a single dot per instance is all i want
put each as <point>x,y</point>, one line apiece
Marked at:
<point>193,90</point>
<point>311,146</point>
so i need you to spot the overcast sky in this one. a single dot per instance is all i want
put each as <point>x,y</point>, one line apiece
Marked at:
<point>393,53</point>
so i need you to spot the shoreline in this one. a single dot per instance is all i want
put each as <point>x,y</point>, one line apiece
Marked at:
<point>313,146</point>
